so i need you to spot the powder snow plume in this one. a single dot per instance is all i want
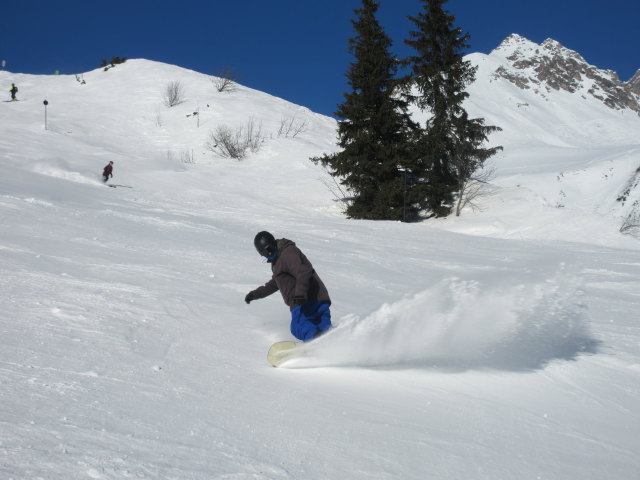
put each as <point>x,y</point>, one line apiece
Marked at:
<point>462,324</point>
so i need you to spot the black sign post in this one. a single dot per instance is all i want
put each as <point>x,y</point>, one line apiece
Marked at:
<point>45,113</point>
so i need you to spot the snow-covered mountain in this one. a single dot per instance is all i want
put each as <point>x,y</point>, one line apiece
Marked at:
<point>500,344</point>
<point>570,130</point>
<point>551,66</point>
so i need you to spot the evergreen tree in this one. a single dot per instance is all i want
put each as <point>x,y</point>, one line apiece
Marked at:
<point>449,149</point>
<point>374,128</point>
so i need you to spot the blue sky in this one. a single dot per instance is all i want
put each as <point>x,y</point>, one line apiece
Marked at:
<point>294,49</point>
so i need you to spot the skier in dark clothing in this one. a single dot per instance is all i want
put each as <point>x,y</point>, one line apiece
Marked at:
<point>300,286</point>
<point>107,172</point>
<point>13,91</point>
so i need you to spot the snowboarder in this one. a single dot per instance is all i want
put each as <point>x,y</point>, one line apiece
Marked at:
<point>13,91</point>
<point>107,172</point>
<point>300,286</point>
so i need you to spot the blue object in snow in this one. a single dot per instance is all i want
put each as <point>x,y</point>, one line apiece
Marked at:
<point>310,319</point>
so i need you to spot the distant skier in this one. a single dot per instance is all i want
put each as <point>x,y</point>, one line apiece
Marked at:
<point>107,172</point>
<point>300,286</point>
<point>13,91</point>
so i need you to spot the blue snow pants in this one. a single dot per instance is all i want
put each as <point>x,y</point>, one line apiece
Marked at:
<point>309,320</point>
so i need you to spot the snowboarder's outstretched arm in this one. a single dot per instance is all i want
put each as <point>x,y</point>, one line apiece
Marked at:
<point>262,292</point>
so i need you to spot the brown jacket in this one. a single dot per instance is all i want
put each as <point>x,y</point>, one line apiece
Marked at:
<point>294,276</point>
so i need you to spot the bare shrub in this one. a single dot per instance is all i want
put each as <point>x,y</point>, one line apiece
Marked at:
<point>159,122</point>
<point>476,187</point>
<point>341,193</point>
<point>631,223</point>
<point>253,135</point>
<point>226,142</point>
<point>173,94</point>
<point>231,143</point>
<point>291,127</point>
<point>226,81</point>
<point>184,156</point>
<point>187,156</point>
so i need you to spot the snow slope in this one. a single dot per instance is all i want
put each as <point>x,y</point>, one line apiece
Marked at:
<point>502,344</point>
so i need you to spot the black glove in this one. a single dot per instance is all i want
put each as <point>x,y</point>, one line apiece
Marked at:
<point>250,296</point>
<point>299,300</point>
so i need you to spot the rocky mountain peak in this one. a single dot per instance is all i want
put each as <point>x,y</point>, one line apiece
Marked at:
<point>552,66</point>
<point>634,83</point>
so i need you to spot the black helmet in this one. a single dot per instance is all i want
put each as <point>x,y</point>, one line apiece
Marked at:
<point>265,244</point>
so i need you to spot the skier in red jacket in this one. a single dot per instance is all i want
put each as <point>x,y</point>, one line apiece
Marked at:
<point>107,172</point>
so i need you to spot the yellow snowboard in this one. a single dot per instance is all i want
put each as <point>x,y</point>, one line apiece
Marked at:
<point>280,352</point>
